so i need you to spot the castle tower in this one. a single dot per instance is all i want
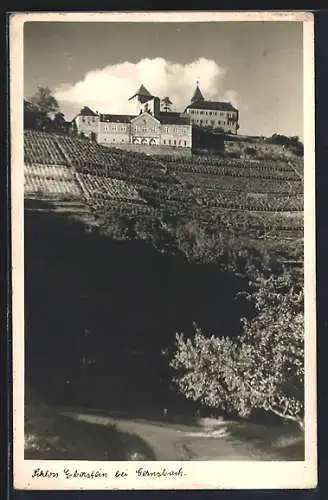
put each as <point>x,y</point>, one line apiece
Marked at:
<point>197,96</point>
<point>142,100</point>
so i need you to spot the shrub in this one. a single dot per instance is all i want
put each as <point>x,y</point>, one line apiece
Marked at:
<point>261,369</point>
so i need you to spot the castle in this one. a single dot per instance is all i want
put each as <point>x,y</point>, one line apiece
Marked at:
<point>149,128</point>
<point>213,114</point>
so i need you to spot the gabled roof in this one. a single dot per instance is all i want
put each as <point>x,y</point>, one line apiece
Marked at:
<point>198,96</point>
<point>143,115</point>
<point>142,92</point>
<point>116,118</point>
<point>212,105</point>
<point>87,112</point>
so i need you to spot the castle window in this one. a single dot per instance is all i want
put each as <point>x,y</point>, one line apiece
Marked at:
<point>170,142</point>
<point>185,143</point>
<point>175,142</point>
<point>200,121</point>
<point>164,142</point>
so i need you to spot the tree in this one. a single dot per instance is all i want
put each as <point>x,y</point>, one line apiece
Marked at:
<point>166,104</point>
<point>59,122</point>
<point>72,130</point>
<point>261,369</point>
<point>32,117</point>
<point>44,101</point>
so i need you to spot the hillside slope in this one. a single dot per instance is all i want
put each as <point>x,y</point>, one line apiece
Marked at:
<point>123,251</point>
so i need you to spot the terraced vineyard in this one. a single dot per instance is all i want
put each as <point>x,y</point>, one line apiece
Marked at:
<point>50,181</point>
<point>106,188</point>
<point>220,192</point>
<point>40,147</point>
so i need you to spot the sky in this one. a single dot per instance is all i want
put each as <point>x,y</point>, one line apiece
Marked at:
<point>257,66</point>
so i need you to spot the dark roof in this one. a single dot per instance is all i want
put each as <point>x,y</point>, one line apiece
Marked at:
<point>198,96</point>
<point>116,118</point>
<point>215,105</point>
<point>143,92</point>
<point>173,119</point>
<point>87,112</point>
<point>169,113</point>
<point>165,118</point>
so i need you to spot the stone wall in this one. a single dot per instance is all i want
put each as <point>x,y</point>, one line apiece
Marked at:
<point>261,148</point>
<point>154,150</point>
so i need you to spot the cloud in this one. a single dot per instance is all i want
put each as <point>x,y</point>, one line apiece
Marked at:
<point>107,90</point>
<point>231,96</point>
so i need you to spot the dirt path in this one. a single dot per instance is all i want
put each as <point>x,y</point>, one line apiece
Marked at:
<point>173,442</point>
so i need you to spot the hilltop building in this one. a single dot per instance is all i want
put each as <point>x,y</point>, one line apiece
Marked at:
<point>150,128</point>
<point>213,114</point>
<point>147,127</point>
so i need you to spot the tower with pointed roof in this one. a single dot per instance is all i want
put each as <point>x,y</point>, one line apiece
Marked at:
<point>197,95</point>
<point>142,95</point>
<point>220,116</point>
<point>144,102</point>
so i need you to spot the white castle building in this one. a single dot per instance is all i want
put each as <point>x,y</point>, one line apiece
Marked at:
<point>151,128</point>
<point>213,114</point>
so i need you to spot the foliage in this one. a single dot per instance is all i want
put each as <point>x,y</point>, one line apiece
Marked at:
<point>251,151</point>
<point>44,101</point>
<point>293,143</point>
<point>72,131</point>
<point>59,123</point>
<point>262,369</point>
<point>42,112</point>
<point>32,116</point>
<point>166,104</point>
